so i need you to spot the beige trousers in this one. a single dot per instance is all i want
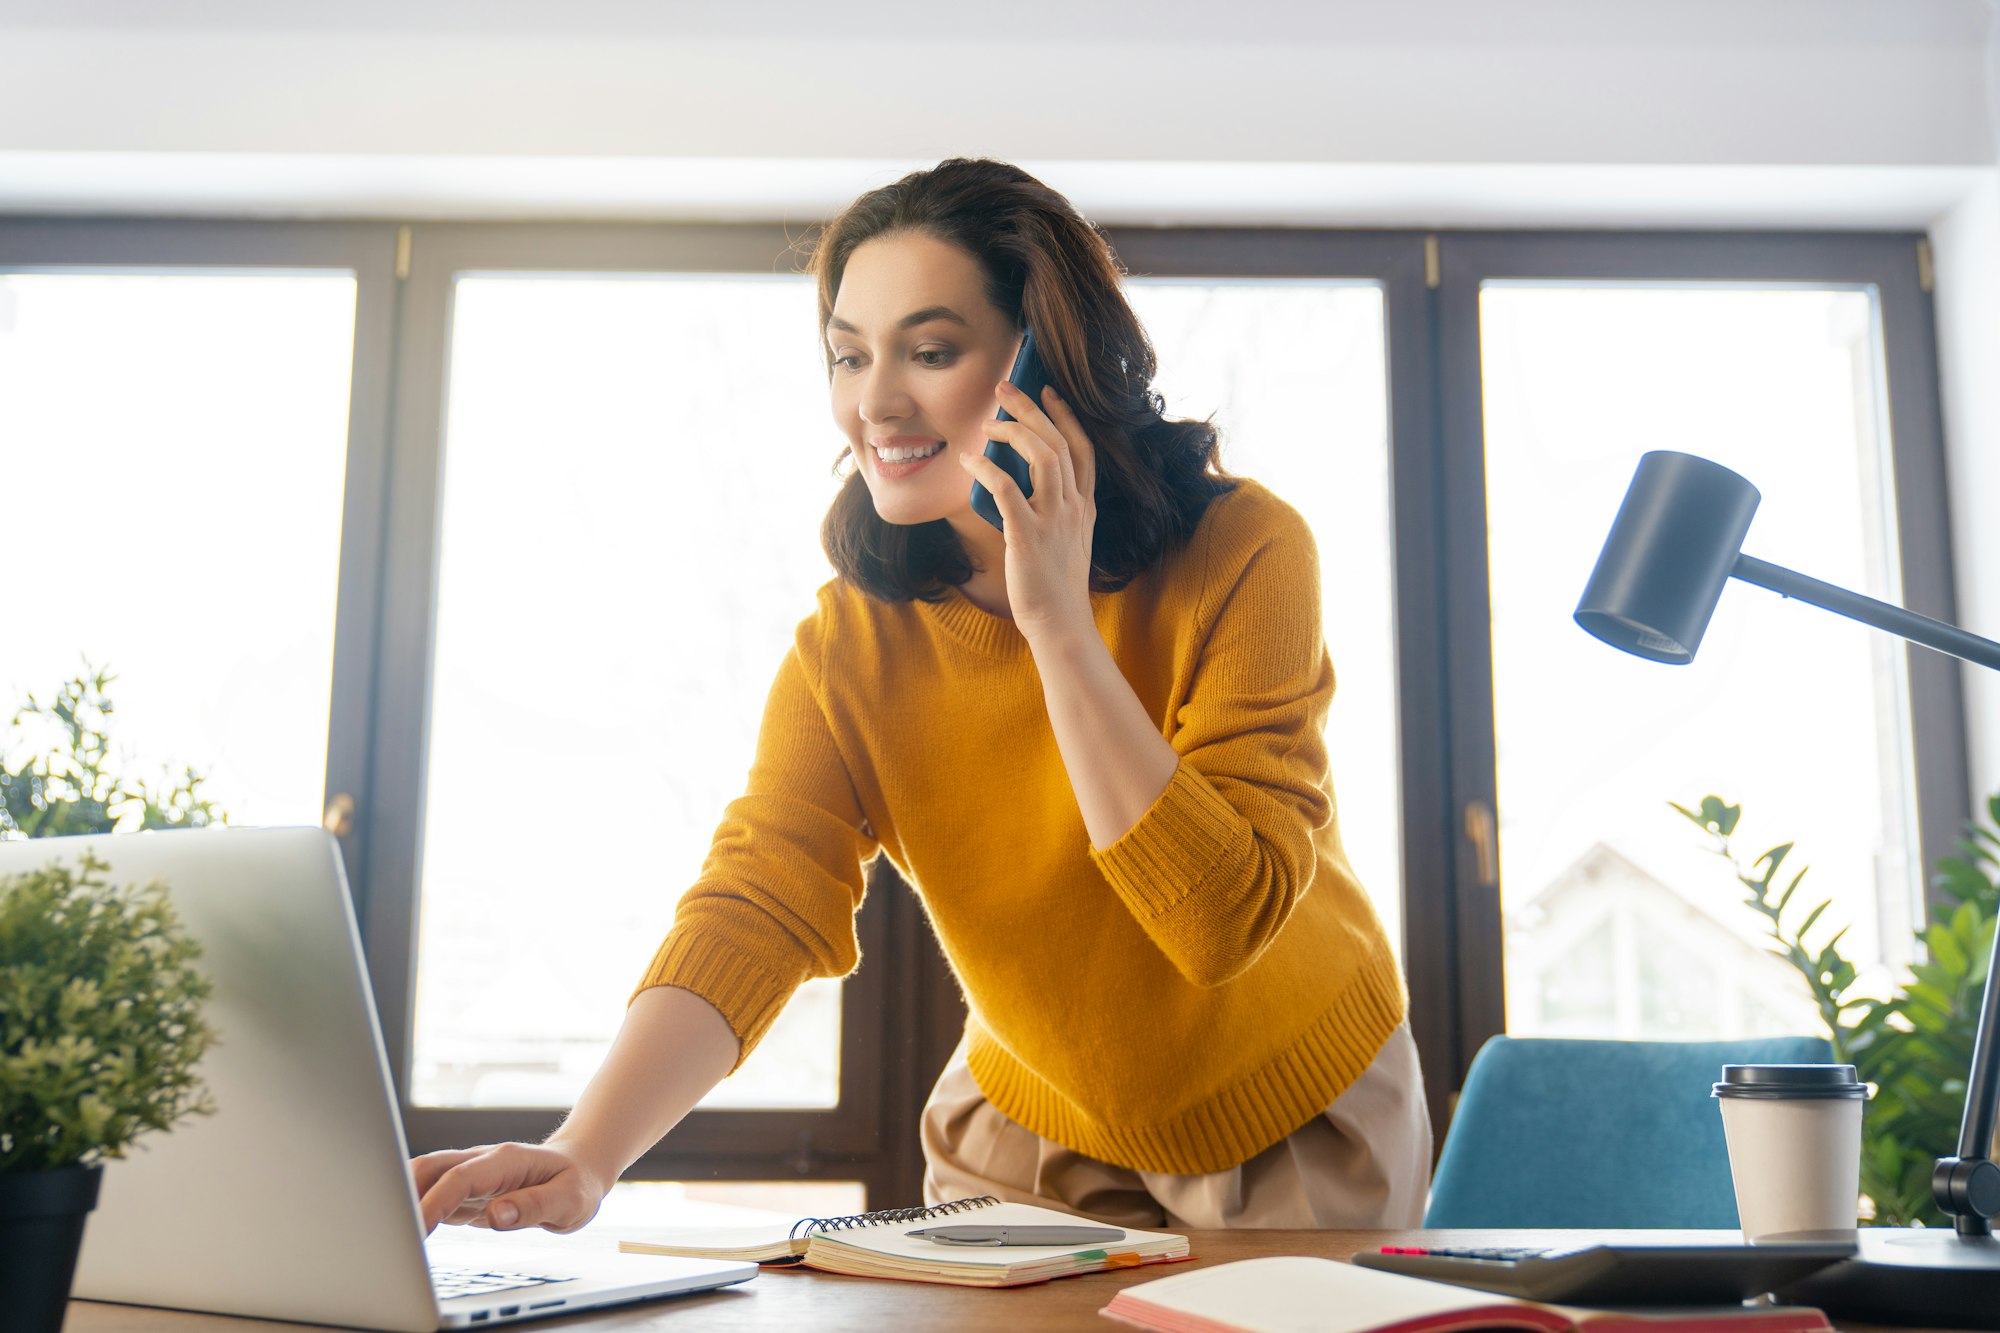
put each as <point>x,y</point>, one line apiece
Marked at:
<point>1363,1163</point>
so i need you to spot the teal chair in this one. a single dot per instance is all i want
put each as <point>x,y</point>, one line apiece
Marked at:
<point>1554,1133</point>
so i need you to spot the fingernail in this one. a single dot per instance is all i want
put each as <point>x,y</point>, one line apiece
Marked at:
<point>505,1214</point>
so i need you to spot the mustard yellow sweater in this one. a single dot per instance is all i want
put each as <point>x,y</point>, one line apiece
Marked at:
<point>1176,1002</point>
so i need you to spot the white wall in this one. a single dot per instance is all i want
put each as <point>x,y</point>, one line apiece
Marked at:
<point>1661,90</point>
<point>1830,113</point>
<point>599,106</point>
<point>1967,242</point>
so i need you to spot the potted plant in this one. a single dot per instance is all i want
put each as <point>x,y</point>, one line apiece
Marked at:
<point>100,1025</point>
<point>100,1032</point>
<point>1916,1045</point>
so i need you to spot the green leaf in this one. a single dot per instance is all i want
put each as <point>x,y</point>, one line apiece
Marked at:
<point>1946,950</point>
<point>1771,860</point>
<point>1965,922</point>
<point>1785,899</point>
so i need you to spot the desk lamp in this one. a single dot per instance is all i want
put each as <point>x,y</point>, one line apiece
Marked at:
<point>1676,541</point>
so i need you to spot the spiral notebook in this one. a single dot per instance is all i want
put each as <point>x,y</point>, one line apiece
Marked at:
<point>874,1245</point>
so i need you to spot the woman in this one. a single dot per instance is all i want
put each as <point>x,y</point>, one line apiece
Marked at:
<point>1090,739</point>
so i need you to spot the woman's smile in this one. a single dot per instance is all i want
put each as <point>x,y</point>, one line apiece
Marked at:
<point>901,455</point>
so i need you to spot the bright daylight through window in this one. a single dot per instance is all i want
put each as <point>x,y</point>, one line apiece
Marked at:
<point>174,446</point>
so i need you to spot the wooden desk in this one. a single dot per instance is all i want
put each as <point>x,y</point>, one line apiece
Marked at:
<point>800,1300</point>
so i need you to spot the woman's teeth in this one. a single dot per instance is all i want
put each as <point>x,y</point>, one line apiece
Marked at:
<point>904,455</point>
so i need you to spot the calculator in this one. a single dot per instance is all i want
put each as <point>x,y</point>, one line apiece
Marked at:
<point>1616,1274</point>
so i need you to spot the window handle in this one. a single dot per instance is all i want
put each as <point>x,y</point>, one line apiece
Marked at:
<point>1479,827</point>
<point>339,817</point>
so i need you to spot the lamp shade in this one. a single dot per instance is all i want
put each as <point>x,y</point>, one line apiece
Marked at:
<point>1670,551</point>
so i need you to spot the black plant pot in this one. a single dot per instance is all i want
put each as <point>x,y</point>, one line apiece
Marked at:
<point>41,1229</point>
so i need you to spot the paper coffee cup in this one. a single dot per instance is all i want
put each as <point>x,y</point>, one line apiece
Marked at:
<point>1794,1134</point>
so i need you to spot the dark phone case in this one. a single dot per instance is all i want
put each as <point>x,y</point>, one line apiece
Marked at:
<point>1030,378</point>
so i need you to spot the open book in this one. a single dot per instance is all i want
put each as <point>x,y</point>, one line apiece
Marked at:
<point>874,1245</point>
<point>1301,1295</point>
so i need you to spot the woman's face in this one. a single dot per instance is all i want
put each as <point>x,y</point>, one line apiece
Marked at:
<point>917,352</point>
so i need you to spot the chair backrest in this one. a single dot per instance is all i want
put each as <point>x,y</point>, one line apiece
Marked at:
<point>1558,1133</point>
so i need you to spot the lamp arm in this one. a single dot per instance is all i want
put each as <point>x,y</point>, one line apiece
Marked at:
<point>1966,1187</point>
<point>1905,624</point>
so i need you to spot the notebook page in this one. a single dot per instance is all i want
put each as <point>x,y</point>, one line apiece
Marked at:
<point>759,1243</point>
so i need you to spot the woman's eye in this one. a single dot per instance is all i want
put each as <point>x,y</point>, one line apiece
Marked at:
<point>935,356</point>
<point>848,362</point>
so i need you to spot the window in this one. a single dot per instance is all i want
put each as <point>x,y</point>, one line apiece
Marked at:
<point>1804,363</point>
<point>185,484</point>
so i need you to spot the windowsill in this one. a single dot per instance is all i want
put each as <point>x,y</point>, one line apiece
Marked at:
<point>1340,194</point>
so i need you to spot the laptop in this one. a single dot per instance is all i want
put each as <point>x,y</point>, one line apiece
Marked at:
<point>294,1200</point>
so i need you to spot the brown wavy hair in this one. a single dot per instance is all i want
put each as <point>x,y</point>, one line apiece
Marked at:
<point>1048,269</point>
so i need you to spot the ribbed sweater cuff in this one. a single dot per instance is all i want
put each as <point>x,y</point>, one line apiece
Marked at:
<point>747,994</point>
<point>1174,846</point>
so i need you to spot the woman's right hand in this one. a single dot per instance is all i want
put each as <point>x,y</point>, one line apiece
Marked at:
<point>508,1186</point>
<point>671,1049</point>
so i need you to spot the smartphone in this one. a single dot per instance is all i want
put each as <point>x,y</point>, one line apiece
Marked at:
<point>1030,378</point>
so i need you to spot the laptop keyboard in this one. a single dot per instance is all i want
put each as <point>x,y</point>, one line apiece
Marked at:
<point>454,1282</point>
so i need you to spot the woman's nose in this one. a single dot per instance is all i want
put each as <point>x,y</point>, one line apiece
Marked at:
<point>883,397</point>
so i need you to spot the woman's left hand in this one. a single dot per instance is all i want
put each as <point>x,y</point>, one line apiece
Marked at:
<point>1048,534</point>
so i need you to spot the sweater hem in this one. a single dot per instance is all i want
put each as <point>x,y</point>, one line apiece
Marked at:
<point>1233,1125</point>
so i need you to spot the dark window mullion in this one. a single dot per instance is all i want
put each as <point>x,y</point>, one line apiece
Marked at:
<point>1431,949</point>
<point>1923,528</point>
<point>393,810</point>
<point>1480,1011</point>
<point>362,552</point>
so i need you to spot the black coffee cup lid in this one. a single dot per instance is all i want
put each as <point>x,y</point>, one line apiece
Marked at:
<point>1790,1082</point>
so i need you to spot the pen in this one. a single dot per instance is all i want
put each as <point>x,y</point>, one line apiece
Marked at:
<point>970,1235</point>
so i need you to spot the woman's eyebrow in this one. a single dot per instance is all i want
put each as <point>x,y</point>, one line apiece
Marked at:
<point>909,321</point>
